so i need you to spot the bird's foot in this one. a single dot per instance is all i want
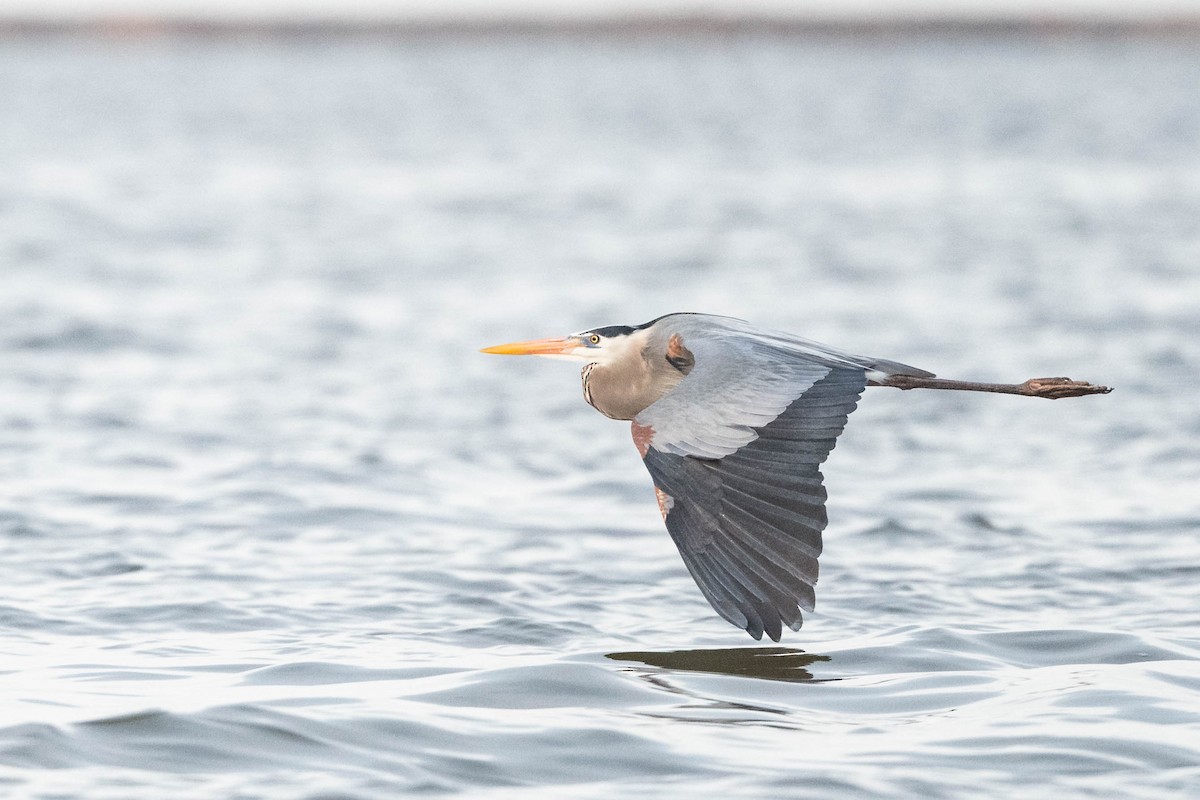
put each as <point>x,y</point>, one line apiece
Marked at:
<point>1056,388</point>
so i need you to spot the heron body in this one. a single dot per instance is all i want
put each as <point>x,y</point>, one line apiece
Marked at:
<point>733,423</point>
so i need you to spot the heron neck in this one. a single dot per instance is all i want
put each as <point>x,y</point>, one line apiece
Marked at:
<point>622,391</point>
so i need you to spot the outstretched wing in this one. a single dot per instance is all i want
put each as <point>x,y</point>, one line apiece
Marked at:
<point>734,452</point>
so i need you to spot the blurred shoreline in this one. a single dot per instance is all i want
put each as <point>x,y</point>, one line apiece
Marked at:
<point>137,26</point>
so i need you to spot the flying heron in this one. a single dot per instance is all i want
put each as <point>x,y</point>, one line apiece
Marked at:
<point>733,423</point>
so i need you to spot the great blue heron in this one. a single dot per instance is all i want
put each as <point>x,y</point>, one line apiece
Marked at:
<point>733,423</point>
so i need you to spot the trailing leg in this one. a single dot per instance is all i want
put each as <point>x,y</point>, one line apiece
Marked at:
<point>1050,388</point>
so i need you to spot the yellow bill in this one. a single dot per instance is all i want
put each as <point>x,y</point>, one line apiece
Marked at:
<point>534,347</point>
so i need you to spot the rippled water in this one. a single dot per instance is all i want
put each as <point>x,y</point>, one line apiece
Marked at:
<point>271,527</point>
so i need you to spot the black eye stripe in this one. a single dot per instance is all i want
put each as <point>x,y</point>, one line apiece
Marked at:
<point>611,331</point>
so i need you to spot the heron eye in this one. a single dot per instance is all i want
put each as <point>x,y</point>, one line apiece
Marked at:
<point>594,339</point>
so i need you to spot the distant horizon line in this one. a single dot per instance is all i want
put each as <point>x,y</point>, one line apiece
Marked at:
<point>137,25</point>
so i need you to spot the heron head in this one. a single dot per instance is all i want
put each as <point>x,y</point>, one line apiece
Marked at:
<point>596,346</point>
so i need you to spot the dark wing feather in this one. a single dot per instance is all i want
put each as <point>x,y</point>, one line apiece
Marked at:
<point>749,524</point>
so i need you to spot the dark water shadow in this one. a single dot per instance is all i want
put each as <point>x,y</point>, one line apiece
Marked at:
<point>768,663</point>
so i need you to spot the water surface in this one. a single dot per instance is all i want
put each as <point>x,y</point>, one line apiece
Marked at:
<point>272,528</point>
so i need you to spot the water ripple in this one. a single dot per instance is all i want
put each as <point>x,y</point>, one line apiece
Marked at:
<point>273,528</point>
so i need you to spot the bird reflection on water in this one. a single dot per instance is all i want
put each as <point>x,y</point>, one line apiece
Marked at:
<point>768,663</point>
